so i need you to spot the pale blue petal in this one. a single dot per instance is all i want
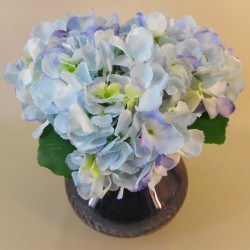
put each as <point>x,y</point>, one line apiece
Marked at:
<point>26,75</point>
<point>236,83</point>
<point>189,47</point>
<point>150,100</point>
<point>80,119</point>
<point>175,85</point>
<point>43,31</point>
<point>193,146</point>
<point>90,54</point>
<point>160,76</point>
<point>157,23</point>
<point>115,109</point>
<point>107,55</point>
<point>126,167</point>
<point>124,123</point>
<point>109,148</point>
<point>124,61</point>
<point>166,137</point>
<point>140,44</point>
<point>38,132</point>
<point>50,65</point>
<point>142,74</point>
<point>65,98</point>
<point>33,113</point>
<point>75,160</point>
<point>83,73</point>
<point>136,125</point>
<point>60,124</point>
<point>72,79</point>
<point>158,56</point>
<point>33,48</point>
<point>125,151</point>
<point>83,189</point>
<point>102,121</point>
<point>90,146</point>
<point>95,110</point>
<point>124,180</point>
<point>124,80</point>
<point>106,161</point>
<point>167,140</point>
<point>11,73</point>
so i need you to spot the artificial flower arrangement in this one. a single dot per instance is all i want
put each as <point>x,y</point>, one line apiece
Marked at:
<point>120,104</point>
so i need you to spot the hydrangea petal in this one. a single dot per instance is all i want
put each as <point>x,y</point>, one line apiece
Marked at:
<point>43,31</point>
<point>50,65</point>
<point>157,23</point>
<point>160,76</point>
<point>73,23</point>
<point>225,106</point>
<point>32,113</point>
<point>150,100</point>
<point>11,73</point>
<point>80,117</point>
<point>123,124</point>
<point>102,121</point>
<point>166,137</point>
<point>141,19</point>
<point>193,147</point>
<point>60,125</point>
<point>140,44</point>
<point>208,39</point>
<point>211,107</point>
<point>38,132</point>
<point>146,141</point>
<point>75,160</point>
<point>142,74</point>
<point>71,79</point>
<point>190,47</point>
<point>33,47</point>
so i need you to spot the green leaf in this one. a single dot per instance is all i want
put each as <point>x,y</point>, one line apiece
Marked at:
<point>214,130</point>
<point>53,151</point>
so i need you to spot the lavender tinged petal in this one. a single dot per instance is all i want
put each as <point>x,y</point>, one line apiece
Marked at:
<point>141,19</point>
<point>225,106</point>
<point>208,39</point>
<point>73,23</point>
<point>146,142</point>
<point>60,33</point>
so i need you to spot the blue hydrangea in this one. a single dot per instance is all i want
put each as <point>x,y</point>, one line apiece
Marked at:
<point>124,95</point>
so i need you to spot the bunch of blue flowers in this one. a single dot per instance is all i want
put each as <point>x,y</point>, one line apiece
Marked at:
<point>130,99</point>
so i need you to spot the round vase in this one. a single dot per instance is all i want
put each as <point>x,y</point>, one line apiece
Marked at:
<point>137,213</point>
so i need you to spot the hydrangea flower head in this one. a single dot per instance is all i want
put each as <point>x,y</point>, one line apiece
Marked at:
<point>125,95</point>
